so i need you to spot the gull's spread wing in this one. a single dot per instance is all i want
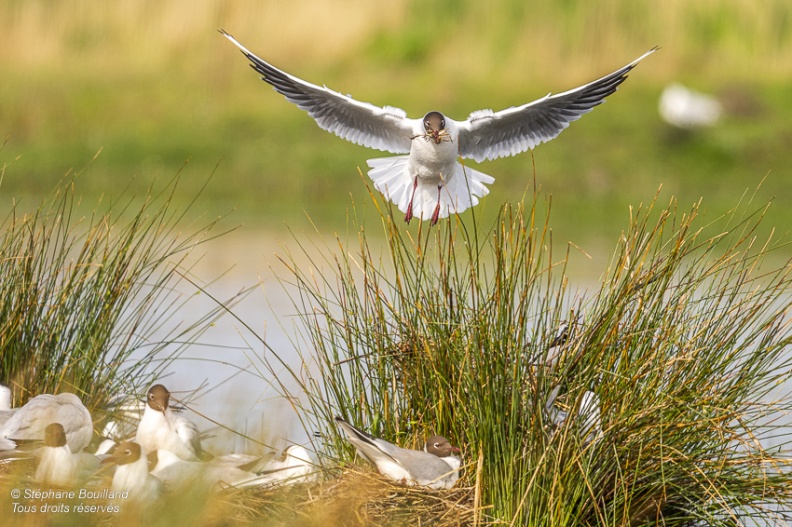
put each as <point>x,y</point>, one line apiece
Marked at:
<point>362,123</point>
<point>489,135</point>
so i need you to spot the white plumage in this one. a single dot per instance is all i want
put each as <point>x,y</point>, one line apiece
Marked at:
<point>688,109</point>
<point>132,474</point>
<point>294,465</point>
<point>29,421</point>
<point>5,404</point>
<point>429,182</point>
<point>228,471</point>
<point>58,466</point>
<point>161,429</point>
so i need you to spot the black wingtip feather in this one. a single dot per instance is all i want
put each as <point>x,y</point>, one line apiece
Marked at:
<point>360,433</point>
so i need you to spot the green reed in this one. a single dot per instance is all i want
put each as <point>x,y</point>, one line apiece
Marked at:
<point>87,301</point>
<point>684,342</point>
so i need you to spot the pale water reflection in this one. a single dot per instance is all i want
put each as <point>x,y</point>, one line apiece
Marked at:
<point>238,392</point>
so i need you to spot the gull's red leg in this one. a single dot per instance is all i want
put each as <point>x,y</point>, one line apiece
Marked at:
<point>409,214</point>
<point>436,213</point>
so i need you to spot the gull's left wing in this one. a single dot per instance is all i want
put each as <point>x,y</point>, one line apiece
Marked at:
<point>489,135</point>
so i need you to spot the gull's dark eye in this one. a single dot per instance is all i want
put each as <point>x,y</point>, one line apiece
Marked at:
<point>442,123</point>
<point>427,125</point>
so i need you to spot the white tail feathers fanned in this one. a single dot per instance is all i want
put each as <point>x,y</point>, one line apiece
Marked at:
<point>460,192</point>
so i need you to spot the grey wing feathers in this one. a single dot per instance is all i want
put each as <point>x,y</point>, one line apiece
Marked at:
<point>366,444</point>
<point>489,135</point>
<point>28,422</point>
<point>361,123</point>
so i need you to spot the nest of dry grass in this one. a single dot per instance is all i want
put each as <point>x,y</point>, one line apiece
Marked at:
<point>353,498</point>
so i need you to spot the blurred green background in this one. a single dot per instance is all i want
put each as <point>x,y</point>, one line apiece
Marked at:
<point>152,84</point>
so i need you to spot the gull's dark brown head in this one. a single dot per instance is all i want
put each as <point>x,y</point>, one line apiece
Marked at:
<point>124,453</point>
<point>439,446</point>
<point>434,123</point>
<point>158,398</point>
<point>54,435</point>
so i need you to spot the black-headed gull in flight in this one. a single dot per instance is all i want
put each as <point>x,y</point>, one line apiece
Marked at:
<point>429,182</point>
<point>58,466</point>
<point>161,429</point>
<point>29,422</point>
<point>132,473</point>
<point>435,466</point>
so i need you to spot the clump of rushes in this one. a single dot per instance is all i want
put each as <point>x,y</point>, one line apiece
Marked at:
<point>85,301</point>
<point>685,344</point>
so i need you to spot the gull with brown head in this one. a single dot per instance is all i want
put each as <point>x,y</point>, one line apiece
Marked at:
<point>162,429</point>
<point>436,466</point>
<point>427,180</point>
<point>58,466</point>
<point>132,474</point>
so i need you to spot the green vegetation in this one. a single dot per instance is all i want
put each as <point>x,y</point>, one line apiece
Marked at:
<point>412,330</point>
<point>88,304</point>
<point>685,344</point>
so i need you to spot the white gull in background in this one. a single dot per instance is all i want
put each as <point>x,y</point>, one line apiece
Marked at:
<point>427,181</point>
<point>5,404</point>
<point>435,466</point>
<point>126,411</point>
<point>293,466</point>
<point>58,466</point>
<point>161,429</point>
<point>688,109</point>
<point>589,414</point>
<point>132,473</point>
<point>28,422</point>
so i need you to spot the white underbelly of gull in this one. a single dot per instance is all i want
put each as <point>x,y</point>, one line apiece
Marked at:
<point>132,474</point>
<point>435,467</point>
<point>58,466</point>
<point>161,429</point>
<point>428,181</point>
